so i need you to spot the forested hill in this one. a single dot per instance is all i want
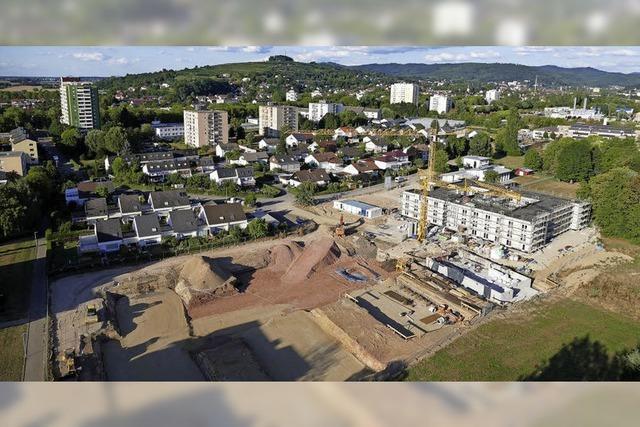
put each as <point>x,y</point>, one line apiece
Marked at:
<point>480,72</point>
<point>277,73</point>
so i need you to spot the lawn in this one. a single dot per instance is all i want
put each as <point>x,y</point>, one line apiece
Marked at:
<point>11,353</point>
<point>15,285</point>
<point>15,278</point>
<point>548,185</point>
<point>506,350</point>
<point>511,162</point>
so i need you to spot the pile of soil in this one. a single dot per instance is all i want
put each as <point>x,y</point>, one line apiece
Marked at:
<point>282,256</point>
<point>315,256</point>
<point>202,280</point>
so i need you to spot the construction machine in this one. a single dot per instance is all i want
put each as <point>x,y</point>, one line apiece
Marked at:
<point>339,231</point>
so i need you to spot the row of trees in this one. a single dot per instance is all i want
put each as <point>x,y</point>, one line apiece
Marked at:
<point>24,199</point>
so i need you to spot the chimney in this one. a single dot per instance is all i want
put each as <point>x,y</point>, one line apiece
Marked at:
<point>584,105</point>
<point>575,101</point>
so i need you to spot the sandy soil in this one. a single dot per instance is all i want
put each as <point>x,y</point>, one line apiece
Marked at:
<point>293,347</point>
<point>380,341</point>
<point>152,327</point>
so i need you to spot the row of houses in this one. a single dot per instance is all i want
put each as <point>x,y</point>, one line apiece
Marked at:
<point>146,229</point>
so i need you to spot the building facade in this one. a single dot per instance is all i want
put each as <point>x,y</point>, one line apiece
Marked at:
<point>491,95</point>
<point>440,103</point>
<point>404,93</point>
<point>206,127</point>
<point>524,226</point>
<point>79,103</point>
<point>317,110</point>
<point>274,118</point>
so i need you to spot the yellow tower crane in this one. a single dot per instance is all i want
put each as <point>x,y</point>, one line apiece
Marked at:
<point>426,181</point>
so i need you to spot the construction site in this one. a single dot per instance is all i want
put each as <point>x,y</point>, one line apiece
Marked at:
<point>356,300</point>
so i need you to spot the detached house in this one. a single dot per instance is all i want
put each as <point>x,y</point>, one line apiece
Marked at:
<point>223,149</point>
<point>374,144</point>
<point>269,144</point>
<point>249,158</point>
<point>392,160</point>
<point>327,161</point>
<point>317,176</point>
<point>240,176</point>
<point>223,217</point>
<point>344,132</point>
<point>296,139</point>
<point>285,163</point>
<point>363,167</point>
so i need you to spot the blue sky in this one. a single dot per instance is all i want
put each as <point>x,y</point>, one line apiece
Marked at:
<point>120,60</point>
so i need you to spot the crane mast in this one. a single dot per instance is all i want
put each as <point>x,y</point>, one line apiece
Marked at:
<point>426,180</point>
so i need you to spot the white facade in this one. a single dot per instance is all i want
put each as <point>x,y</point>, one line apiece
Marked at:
<point>491,95</point>
<point>85,102</point>
<point>355,207</point>
<point>317,110</point>
<point>526,227</point>
<point>440,103</point>
<point>168,130</point>
<point>291,95</point>
<point>404,93</point>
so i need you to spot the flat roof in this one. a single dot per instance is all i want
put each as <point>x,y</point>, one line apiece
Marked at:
<point>538,204</point>
<point>360,205</point>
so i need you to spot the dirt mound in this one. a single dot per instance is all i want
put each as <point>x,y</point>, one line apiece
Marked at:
<point>201,280</point>
<point>282,256</point>
<point>315,256</point>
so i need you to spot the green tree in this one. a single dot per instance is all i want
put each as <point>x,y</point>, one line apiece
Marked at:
<point>116,140</point>
<point>615,199</point>
<point>574,161</point>
<point>250,199</point>
<point>533,159</point>
<point>95,142</point>
<point>480,145</point>
<point>440,160</point>
<point>305,192</point>
<point>491,176</point>
<point>257,228</point>
<point>70,137</point>
<point>507,137</point>
<point>120,168</point>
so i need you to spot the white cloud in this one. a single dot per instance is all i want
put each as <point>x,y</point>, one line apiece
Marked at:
<point>526,50</point>
<point>89,56</point>
<point>218,48</point>
<point>462,56</point>
<point>332,53</point>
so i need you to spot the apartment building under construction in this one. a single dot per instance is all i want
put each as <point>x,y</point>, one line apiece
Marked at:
<point>525,225</point>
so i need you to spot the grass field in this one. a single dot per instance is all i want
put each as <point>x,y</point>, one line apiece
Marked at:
<point>15,284</point>
<point>506,350</point>
<point>511,162</point>
<point>547,184</point>
<point>15,278</point>
<point>11,353</point>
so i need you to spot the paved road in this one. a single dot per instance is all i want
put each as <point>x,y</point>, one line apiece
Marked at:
<point>36,331</point>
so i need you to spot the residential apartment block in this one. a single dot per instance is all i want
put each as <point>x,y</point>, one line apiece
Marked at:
<point>440,103</point>
<point>14,161</point>
<point>317,110</point>
<point>525,226</point>
<point>20,141</point>
<point>79,103</point>
<point>404,93</point>
<point>206,127</point>
<point>274,118</point>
